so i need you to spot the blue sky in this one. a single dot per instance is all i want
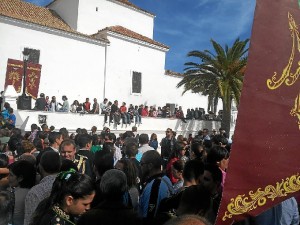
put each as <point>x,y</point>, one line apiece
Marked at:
<point>186,25</point>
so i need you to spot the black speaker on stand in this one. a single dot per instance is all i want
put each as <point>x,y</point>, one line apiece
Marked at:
<point>24,102</point>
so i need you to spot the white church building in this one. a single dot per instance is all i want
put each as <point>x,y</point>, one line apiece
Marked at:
<point>92,48</point>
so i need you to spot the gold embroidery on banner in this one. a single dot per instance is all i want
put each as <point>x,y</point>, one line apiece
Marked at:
<point>242,204</point>
<point>296,110</point>
<point>14,76</point>
<point>32,78</point>
<point>287,77</point>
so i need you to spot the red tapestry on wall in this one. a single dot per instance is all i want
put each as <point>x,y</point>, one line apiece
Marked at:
<point>14,74</point>
<point>264,167</point>
<point>33,75</point>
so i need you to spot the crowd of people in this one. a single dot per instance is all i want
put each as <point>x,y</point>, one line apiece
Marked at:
<point>120,113</point>
<point>95,177</point>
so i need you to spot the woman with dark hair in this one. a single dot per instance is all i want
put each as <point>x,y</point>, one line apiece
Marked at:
<point>197,151</point>
<point>175,155</point>
<point>153,141</point>
<point>128,167</point>
<point>219,156</point>
<point>21,178</point>
<point>71,196</point>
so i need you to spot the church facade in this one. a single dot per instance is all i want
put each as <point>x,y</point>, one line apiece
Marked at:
<point>92,48</point>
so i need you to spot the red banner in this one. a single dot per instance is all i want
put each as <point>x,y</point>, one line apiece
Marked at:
<point>33,75</point>
<point>14,74</point>
<point>264,166</point>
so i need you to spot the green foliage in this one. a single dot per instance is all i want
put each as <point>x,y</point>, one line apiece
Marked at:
<point>219,74</point>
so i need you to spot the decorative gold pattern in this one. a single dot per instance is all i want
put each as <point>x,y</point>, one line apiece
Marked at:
<point>14,76</point>
<point>242,204</point>
<point>287,77</point>
<point>296,110</point>
<point>32,78</point>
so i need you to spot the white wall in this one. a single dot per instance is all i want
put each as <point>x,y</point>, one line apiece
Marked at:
<point>72,121</point>
<point>157,88</point>
<point>111,13</point>
<point>67,10</point>
<point>69,66</point>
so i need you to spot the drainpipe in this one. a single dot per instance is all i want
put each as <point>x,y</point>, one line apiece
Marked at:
<point>104,81</point>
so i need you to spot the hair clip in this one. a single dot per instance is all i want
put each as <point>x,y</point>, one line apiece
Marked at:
<point>65,175</point>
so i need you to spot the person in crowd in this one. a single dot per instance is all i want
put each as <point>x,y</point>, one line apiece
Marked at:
<point>4,161</point>
<point>84,142</point>
<point>22,176</point>
<point>5,112</point>
<point>34,132</point>
<point>195,200</point>
<point>67,150</point>
<point>74,106</point>
<point>71,196</point>
<point>285,212</point>
<point>192,175</point>
<point>64,132</point>
<point>40,103</point>
<point>124,115</point>
<point>219,156</point>
<point>157,186</point>
<point>87,105</point>
<point>177,172</point>
<point>179,114</point>
<point>103,106</point>
<point>131,150</point>
<point>112,210</point>
<point>188,219</point>
<point>104,161</point>
<point>115,112</point>
<point>177,154</point>
<point>197,151</point>
<point>211,181</point>
<point>144,145</point>
<point>144,111</point>
<point>95,107</point>
<point>137,116</point>
<point>131,172</point>
<point>5,207</point>
<point>49,167</point>
<point>153,141</point>
<point>159,111</point>
<point>206,134</point>
<point>155,112</point>
<point>151,111</point>
<point>53,105</point>
<point>131,113</point>
<point>47,103</point>
<point>65,106</point>
<point>11,118</point>
<point>108,113</point>
<point>55,139</point>
<point>167,145</point>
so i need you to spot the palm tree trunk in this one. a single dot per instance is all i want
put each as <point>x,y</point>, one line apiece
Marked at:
<point>225,124</point>
<point>216,100</point>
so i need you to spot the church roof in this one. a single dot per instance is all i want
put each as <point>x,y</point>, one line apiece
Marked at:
<point>31,13</point>
<point>125,2</point>
<point>129,33</point>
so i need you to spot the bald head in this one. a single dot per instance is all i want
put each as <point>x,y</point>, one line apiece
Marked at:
<point>188,220</point>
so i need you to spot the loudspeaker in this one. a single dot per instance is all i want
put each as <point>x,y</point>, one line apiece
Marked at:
<point>24,102</point>
<point>172,108</point>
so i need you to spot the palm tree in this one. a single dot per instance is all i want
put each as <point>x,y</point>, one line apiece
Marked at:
<point>218,75</point>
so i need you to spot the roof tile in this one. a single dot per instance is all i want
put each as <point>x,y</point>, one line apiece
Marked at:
<point>35,14</point>
<point>129,33</point>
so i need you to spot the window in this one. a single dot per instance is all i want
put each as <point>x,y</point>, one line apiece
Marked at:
<point>136,82</point>
<point>34,55</point>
